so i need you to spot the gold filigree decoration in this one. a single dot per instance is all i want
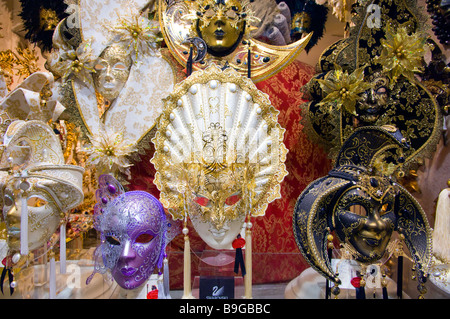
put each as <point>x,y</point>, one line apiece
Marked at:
<point>77,63</point>
<point>178,20</point>
<point>22,64</point>
<point>178,163</point>
<point>48,19</point>
<point>203,10</point>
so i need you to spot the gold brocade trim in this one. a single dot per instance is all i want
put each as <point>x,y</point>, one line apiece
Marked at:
<point>77,4</point>
<point>427,149</point>
<point>312,226</point>
<point>406,8</point>
<point>143,143</point>
<point>423,257</point>
<point>70,102</point>
<point>308,225</point>
<point>411,106</point>
<point>336,127</point>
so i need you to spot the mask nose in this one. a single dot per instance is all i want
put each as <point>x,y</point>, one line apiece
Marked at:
<point>219,218</point>
<point>220,22</point>
<point>368,97</point>
<point>107,77</point>
<point>127,252</point>
<point>375,223</point>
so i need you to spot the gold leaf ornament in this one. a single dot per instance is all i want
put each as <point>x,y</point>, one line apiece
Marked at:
<point>137,33</point>
<point>343,89</point>
<point>402,53</point>
<point>77,63</point>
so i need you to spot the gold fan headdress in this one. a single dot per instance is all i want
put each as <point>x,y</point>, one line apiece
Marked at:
<point>216,121</point>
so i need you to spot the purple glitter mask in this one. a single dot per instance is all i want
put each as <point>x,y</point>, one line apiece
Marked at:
<point>134,233</point>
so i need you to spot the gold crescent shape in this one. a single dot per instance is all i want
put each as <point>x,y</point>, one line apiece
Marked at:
<point>266,60</point>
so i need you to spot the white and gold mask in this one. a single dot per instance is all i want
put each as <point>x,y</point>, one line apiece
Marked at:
<point>219,153</point>
<point>38,188</point>
<point>112,69</point>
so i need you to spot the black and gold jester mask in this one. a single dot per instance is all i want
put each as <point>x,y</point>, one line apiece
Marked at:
<point>361,203</point>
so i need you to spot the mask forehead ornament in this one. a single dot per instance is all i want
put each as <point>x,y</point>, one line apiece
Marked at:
<point>361,178</point>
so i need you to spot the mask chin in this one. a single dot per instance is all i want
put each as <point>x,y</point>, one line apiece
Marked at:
<point>221,238</point>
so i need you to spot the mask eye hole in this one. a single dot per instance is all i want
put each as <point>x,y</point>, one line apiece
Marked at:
<point>233,199</point>
<point>385,208</point>
<point>8,200</point>
<point>35,201</point>
<point>231,14</point>
<point>112,240</point>
<point>381,90</point>
<point>358,210</point>
<point>209,13</point>
<point>99,67</point>
<point>120,66</point>
<point>144,238</point>
<point>202,201</point>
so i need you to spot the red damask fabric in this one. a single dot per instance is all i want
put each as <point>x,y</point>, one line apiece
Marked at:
<point>305,162</point>
<point>276,257</point>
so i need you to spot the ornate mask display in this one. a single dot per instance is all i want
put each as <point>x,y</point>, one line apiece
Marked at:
<point>219,205</point>
<point>48,19</point>
<point>113,79</point>
<point>307,16</point>
<point>365,218</point>
<point>219,153</point>
<point>301,22</point>
<point>37,188</point>
<point>134,233</point>
<point>370,79</point>
<point>360,202</point>
<point>40,20</point>
<point>112,69</point>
